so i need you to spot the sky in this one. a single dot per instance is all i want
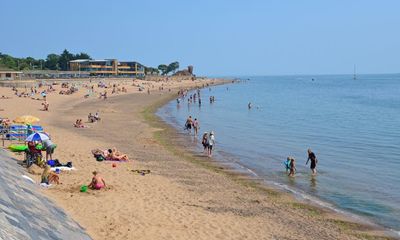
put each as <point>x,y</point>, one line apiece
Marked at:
<point>217,37</point>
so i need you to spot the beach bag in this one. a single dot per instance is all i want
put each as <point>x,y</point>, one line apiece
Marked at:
<point>99,158</point>
<point>51,163</point>
<point>98,154</point>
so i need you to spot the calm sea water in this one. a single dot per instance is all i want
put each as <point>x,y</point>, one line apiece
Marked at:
<point>353,126</point>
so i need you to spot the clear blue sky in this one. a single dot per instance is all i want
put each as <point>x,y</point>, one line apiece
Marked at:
<point>219,37</point>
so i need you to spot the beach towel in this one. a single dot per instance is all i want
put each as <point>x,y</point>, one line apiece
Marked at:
<point>56,163</point>
<point>142,172</point>
<point>54,169</point>
<point>45,185</point>
<point>115,160</point>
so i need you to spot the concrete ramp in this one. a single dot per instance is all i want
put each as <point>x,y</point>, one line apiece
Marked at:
<point>27,214</point>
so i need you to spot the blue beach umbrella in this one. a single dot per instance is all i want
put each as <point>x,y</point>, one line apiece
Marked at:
<point>37,137</point>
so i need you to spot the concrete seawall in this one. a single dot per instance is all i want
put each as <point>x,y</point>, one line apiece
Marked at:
<point>27,214</point>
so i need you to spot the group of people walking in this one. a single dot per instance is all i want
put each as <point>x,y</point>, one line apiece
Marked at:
<point>290,163</point>
<point>190,123</point>
<point>208,142</point>
<point>208,138</point>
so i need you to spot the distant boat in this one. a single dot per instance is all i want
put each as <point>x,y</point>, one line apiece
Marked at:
<point>354,76</point>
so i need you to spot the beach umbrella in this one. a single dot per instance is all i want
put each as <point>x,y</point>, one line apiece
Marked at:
<point>26,119</point>
<point>37,137</point>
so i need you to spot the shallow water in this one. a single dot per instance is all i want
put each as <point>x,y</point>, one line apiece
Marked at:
<point>353,126</point>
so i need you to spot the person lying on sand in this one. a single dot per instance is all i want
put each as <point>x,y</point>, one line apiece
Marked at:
<point>114,154</point>
<point>79,124</point>
<point>97,182</point>
<point>49,177</point>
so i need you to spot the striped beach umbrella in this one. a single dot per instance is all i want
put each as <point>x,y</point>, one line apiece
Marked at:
<point>37,137</point>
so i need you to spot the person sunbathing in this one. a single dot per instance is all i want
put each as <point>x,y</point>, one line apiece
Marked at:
<point>97,182</point>
<point>79,124</point>
<point>114,154</point>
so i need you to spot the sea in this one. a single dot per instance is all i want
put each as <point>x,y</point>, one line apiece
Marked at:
<point>352,125</point>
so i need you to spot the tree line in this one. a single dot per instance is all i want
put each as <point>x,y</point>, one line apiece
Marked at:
<point>52,62</point>
<point>60,62</point>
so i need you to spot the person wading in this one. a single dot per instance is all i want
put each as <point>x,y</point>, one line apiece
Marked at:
<point>313,159</point>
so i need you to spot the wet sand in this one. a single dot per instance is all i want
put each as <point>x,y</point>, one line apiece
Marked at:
<point>184,197</point>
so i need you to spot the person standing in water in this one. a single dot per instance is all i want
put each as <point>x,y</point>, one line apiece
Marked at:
<point>211,143</point>
<point>204,141</point>
<point>196,126</point>
<point>188,124</point>
<point>313,159</point>
<point>292,167</point>
<point>249,105</point>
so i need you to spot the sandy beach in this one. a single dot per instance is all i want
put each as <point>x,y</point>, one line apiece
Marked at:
<point>185,196</point>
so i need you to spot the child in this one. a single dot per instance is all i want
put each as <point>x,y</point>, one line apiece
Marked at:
<point>48,176</point>
<point>292,168</point>
<point>97,182</point>
<point>287,163</point>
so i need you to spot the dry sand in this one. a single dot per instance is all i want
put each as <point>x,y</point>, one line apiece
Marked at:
<point>184,196</point>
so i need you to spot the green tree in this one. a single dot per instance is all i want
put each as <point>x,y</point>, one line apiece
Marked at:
<point>51,62</point>
<point>81,56</point>
<point>163,68</point>
<point>172,67</point>
<point>8,62</point>
<point>65,57</point>
<point>151,70</point>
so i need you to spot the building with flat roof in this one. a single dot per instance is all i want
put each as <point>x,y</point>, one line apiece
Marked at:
<point>9,74</point>
<point>107,67</point>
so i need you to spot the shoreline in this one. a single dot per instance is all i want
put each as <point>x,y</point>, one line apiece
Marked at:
<point>234,204</point>
<point>251,179</point>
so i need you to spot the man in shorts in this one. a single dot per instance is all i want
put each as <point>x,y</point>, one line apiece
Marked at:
<point>49,146</point>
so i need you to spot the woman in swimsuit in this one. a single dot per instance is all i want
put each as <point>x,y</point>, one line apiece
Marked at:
<point>114,154</point>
